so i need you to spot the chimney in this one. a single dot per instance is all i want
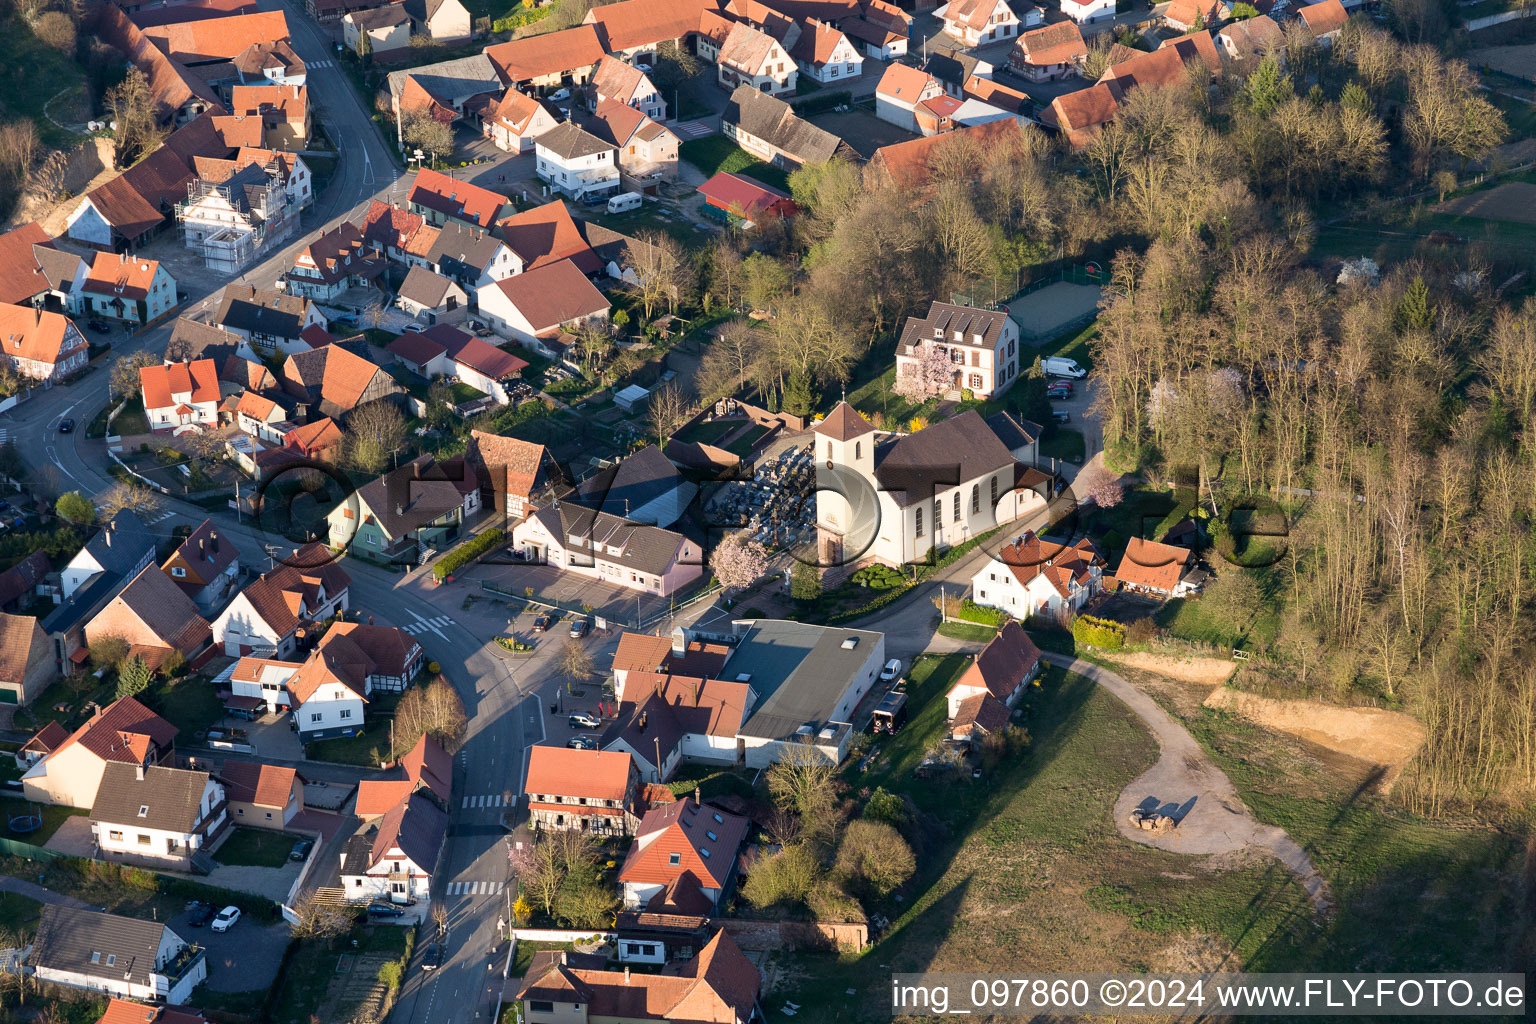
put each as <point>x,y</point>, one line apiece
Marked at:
<point>213,540</point>
<point>107,535</point>
<point>138,772</point>
<point>679,642</point>
<point>696,802</point>
<point>202,548</point>
<point>626,974</point>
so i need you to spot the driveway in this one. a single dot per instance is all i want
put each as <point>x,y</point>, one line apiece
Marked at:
<point>243,959</point>
<point>552,584</point>
<point>1185,785</point>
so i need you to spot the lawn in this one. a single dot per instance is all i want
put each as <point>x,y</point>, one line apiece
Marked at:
<point>877,397</point>
<point>1141,513</point>
<point>971,631</point>
<point>188,703</point>
<point>369,749</point>
<point>304,982</point>
<point>1064,443</point>
<point>1026,867</point>
<point>715,153</point>
<point>1412,894</point>
<point>18,914</point>
<point>36,73</point>
<point>256,848</point>
<point>743,444</point>
<point>54,815</point>
<point>1073,345</point>
<point>524,955</point>
<point>707,432</point>
<point>132,419</point>
<point>653,218</point>
<point>928,680</point>
<point>710,781</point>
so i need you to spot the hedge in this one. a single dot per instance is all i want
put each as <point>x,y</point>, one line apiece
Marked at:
<point>467,552</point>
<point>822,101</point>
<point>523,16</point>
<point>1098,632</point>
<point>970,611</point>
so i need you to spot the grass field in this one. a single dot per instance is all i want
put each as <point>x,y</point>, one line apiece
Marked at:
<point>1063,443</point>
<point>54,815</point>
<point>715,153</point>
<point>188,703</point>
<point>1026,868</point>
<point>34,73</point>
<point>256,848</point>
<point>367,749</point>
<point>18,914</point>
<point>971,631</point>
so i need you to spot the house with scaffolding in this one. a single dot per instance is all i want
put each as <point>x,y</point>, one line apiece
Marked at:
<point>234,219</point>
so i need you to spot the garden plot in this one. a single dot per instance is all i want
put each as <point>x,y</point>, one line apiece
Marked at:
<point>1511,202</point>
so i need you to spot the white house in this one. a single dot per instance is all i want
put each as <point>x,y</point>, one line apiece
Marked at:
<point>748,56</point>
<point>985,694</point>
<point>121,956</point>
<point>931,490</point>
<point>127,288</point>
<point>825,53</point>
<point>683,843</point>
<point>233,214</point>
<point>978,22</point>
<point>899,92</point>
<point>180,397</point>
<point>157,814</point>
<point>575,162</point>
<point>1086,12</point>
<point>600,546</point>
<point>1038,577</point>
<point>331,687</point>
<point>395,858</point>
<point>124,546</point>
<point>516,121</point>
<point>538,303</point>
<point>386,28</point>
<point>982,346</point>
<point>626,84</point>
<point>262,679</point>
<point>264,619</point>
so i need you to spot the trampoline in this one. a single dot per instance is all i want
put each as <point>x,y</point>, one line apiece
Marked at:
<point>28,822</point>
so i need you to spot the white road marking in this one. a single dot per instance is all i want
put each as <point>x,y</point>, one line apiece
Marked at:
<point>424,624</point>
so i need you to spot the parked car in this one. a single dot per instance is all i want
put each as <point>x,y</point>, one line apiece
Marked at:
<point>181,295</point>
<point>199,913</point>
<point>585,720</point>
<point>432,957</point>
<point>559,94</point>
<point>579,628</point>
<point>1061,416</point>
<point>1060,384</point>
<point>100,326</point>
<point>1062,367</point>
<point>1058,394</point>
<point>542,623</point>
<point>413,329</point>
<point>582,743</point>
<point>346,318</point>
<point>66,426</point>
<point>385,910</point>
<point>226,919</point>
<point>301,849</point>
<point>891,671</point>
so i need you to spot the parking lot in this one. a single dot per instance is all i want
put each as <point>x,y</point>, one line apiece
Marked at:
<point>861,129</point>
<point>243,959</point>
<point>554,585</point>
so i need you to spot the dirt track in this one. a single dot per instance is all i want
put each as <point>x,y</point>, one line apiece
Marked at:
<point>1185,785</point>
<point>1387,738</point>
<point>1191,669</point>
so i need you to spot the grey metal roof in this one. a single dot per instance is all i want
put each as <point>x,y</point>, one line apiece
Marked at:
<point>57,265</point>
<point>799,671</point>
<point>569,141</point>
<point>168,797</point>
<point>451,81</point>
<point>648,549</point>
<point>1014,433</point>
<point>122,543</point>
<point>96,944</point>
<point>630,484</point>
<point>414,495</point>
<point>204,341</point>
<point>940,456</point>
<point>775,122</point>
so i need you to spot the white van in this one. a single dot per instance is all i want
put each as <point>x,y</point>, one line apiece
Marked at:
<point>1056,366</point>
<point>624,201</point>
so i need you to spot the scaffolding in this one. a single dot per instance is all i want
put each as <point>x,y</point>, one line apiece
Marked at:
<point>232,237</point>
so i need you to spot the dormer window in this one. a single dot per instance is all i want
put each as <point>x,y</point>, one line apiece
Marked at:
<point>703,853</point>
<point>144,810</point>
<point>712,837</point>
<point>674,859</point>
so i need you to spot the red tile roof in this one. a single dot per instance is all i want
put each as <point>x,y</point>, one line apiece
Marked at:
<point>1061,43</point>
<point>40,335</point>
<point>160,384</point>
<point>904,83</point>
<point>117,275</point>
<point>1002,664</point>
<point>553,294</point>
<point>377,797</point>
<point>547,234</point>
<point>314,437</point>
<point>458,199</point>
<point>1061,565</point>
<point>1146,563</point>
<point>683,828</point>
<point>554,53</point>
<point>633,23</point>
<point>509,462</point>
<point>593,774</point>
<point>906,163</point>
<point>201,41</point>
<point>19,276</point>
<point>1087,108</point>
<point>191,10</point>
<point>120,729</point>
<point>251,783</point>
<point>1328,16</point>
<point>122,1011</point>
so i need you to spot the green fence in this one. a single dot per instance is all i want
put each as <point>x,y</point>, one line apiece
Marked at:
<point>16,848</point>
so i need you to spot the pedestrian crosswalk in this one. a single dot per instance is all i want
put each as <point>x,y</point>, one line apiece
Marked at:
<point>312,64</point>
<point>157,517</point>
<point>489,800</point>
<point>692,129</point>
<point>481,888</point>
<point>432,625</point>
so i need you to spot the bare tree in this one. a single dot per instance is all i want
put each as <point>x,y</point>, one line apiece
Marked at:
<point>668,410</point>
<point>434,710</point>
<point>134,110</point>
<point>322,920</point>
<point>418,128</point>
<point>727,364</point>
<point>124,378</point>
<point>132,497</point>
<point>658,264</point>
<point>375,432</point>
<point>576,663</point>
<point>802,781</point>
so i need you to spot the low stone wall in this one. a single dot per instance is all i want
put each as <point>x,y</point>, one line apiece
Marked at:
<point>770,935</point>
